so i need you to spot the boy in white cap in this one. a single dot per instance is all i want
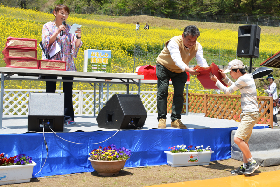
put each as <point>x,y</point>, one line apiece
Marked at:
<point>250,111</point>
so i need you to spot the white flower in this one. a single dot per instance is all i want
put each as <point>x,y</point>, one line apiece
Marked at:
<point>181,146</point>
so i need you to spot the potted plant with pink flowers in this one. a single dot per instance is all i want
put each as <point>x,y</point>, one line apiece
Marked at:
<point>193,155</point>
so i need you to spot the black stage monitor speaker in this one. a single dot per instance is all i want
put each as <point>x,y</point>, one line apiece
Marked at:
<point>248,41</point>
<point>46,109</point>
<point>122,111</point>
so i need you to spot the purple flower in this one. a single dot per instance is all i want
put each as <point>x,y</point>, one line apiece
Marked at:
<point>116,153</point>
<point>128,152</point>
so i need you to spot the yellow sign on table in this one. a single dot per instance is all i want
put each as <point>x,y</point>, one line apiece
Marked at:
<point>97,60</point>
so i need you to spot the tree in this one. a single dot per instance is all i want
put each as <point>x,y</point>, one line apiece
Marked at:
<point>23,4</point>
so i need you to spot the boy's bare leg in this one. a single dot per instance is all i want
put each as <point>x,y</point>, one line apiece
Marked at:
<point>244,147</point>
<point>241,169</point>
<point>245,160</point>
<point>251,164</point>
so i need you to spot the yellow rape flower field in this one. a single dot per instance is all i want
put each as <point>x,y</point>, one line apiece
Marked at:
<point>129,48</point>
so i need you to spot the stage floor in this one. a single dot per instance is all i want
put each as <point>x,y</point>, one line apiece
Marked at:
<point>19,124</point>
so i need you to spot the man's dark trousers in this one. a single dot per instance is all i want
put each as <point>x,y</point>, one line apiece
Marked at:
<point>178,81</point>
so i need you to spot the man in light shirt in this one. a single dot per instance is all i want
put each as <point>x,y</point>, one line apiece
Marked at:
<point>172,63</point>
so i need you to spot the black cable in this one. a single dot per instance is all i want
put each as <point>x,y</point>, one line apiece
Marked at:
<point>62,139</point>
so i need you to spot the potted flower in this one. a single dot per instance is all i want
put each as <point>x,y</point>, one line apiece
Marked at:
<point>16,169</point>
<point>109,160</point>
<point>181,156</point>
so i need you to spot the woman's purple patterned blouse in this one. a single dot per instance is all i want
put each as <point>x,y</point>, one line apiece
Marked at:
<point>66,42</point>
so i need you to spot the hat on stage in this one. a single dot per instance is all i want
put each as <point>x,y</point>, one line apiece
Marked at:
<point>269,77</point>
<point>234,64</point>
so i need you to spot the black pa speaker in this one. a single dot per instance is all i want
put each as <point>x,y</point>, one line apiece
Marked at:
<point>122,111</point>
<point>46,110</point>
<point>248,41</point>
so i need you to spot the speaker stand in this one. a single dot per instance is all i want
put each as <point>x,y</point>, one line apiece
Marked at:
<point>251,64</point>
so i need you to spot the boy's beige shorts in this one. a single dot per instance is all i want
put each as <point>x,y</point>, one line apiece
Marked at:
<point>244,130</point>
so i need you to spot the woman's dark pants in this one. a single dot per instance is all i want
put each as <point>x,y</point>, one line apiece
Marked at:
<point>67,90</point>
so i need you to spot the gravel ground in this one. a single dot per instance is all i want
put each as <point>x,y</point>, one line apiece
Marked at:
<point>145,176</point>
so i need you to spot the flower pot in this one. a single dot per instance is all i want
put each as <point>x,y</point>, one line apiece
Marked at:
<point>107,168</point>
<point>188,158</point>
<point>16,173</point>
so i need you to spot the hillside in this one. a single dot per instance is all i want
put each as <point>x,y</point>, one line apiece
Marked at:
<point>171,23</point>
<point>180,24</point>
<point>132,48</point>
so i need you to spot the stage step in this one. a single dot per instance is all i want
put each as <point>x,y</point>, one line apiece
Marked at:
<point>264,146</point>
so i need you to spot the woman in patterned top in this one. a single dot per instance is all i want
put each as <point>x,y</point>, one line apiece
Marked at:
<point>55,35</point>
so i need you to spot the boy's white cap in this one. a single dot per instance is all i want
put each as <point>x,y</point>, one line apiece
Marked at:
<point>234,64</point>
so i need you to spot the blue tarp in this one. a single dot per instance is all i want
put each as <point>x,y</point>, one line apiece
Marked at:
<point>147,147</point>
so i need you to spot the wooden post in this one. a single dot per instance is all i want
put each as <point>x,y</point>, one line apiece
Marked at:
<point>205,104</point>
<point>271,112</point>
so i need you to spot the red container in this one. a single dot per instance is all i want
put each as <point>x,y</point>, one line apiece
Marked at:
<point>20,53</point>
<point>22,63</point>
<point>23,43</point>
<point>148,71</point>
<point>52,65</point>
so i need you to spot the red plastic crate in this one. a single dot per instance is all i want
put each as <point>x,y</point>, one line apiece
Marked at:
<point>23,43</point>
<point>22,63</point>
<point>20,53</point>
<point>52,65</point>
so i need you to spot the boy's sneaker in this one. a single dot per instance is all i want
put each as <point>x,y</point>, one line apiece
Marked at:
<point>238,171</point>
<point>251,167</point>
